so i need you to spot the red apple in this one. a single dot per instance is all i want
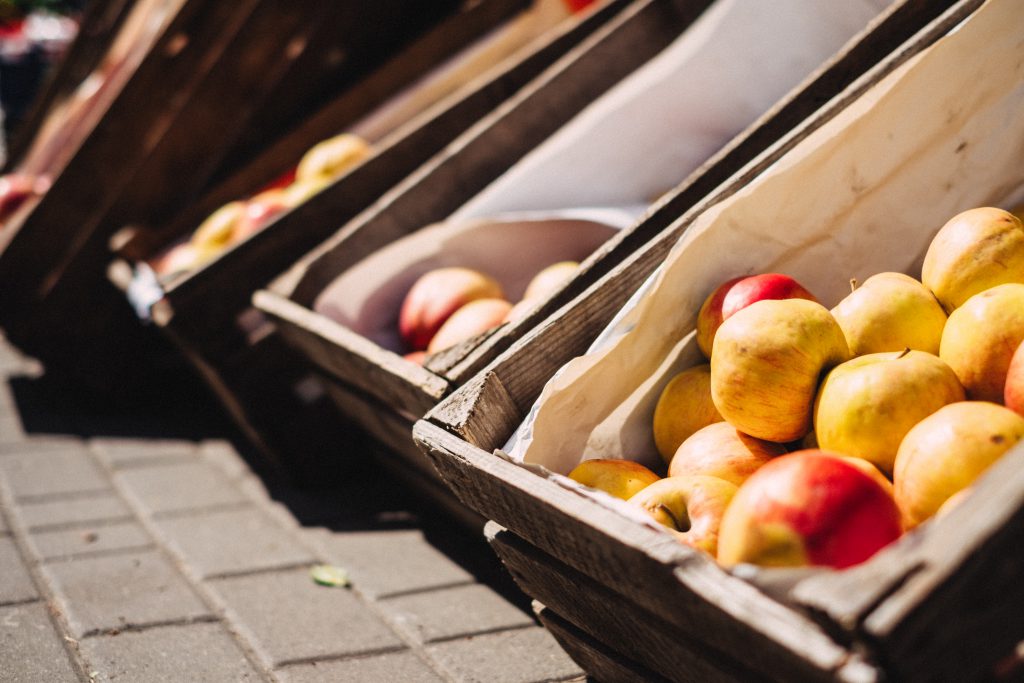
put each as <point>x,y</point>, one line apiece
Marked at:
<point>474,318</point>
<point>259,211</point>
<point>1014,388</point>
<point>14,191</point>
<point>739,293</point>
<point>435,296</point>
<point>808,508</point>
<point>720,450</point>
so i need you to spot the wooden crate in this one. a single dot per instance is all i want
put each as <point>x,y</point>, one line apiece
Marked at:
<point>162,131</point>
<point>944,603</point>
<point>207,313</point>
<point>451,179</point>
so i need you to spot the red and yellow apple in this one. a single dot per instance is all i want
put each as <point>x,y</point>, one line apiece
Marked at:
<point>179,258</point>
<point>808,508</point>
<point>474,318</point>
<point>739,293</point>
<point>259,211</point>
<point>720,450</point>
<point>766,362</point>
<point>620,478</point>
<point>976,250</point>
<point>890,312</point>
<point>1013,392</point>
<point>549,279</point>
<point>216,231</point>
<point>683,407</point>
<point>866,405</point>
<point>332,157</point>
<point>947,451</point>
<point>691,506</point>
<point>435,296</point>
<point>980,339</point>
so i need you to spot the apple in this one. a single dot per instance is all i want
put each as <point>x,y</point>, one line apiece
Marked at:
<point>15,190</point>
<point>691,506</point>
<point>1013,392</point>
<point>301,190</point>
<point>619,478</point>
<point>435,296</point>
<point>766,363</point>
<point>720,450</point>
<point>976,250</point>
<point>890,312</point>
<point>417,357</point>
<point>683,407</point>
<point>332,157</point>
<point>947,451</point>
<point>259,211</point>
<point>739,293</point>
<point>808,508</point>
<point>179,258</point>
<point>980,338</point>
<point>866,405</point>
<point>474,318</point>
<point>520,310</point>
<point>549,279</point>
<point>215,232</point>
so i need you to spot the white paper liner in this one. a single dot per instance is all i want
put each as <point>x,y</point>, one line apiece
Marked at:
<point>863,194</point>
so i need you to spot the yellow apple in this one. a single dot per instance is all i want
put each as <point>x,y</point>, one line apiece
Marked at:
<point>691,506</point>
<point>216,231</point>
<point>684,406</point>
<point>332,157</point>
<point>549,279</point>
<point>980,338</point>
<point>890,312</point>
<point>947,451</point>
<point>976,250</point>
<point>620,478</point>
<point>766,361</point>
<point>866,405</point>
<point>720,450</point>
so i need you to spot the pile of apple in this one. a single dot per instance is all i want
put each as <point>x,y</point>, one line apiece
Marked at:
<point>237,220</point>
<point>447,306</point>
<point>817,437</point>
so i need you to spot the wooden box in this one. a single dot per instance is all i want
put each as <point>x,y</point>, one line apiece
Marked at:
<point>624,597</point>
<point>370,381</point>
<point>172,103</point>
<point>207,312</point>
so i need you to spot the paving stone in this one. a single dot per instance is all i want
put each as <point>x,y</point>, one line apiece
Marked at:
<point>16,583</point>
<point>30,648</point>
<point>179,487</point>
<point>289,617</point>
<point>47,473</point>
<point>103,593</point>
<point>222,455</point>
<point>105,507</point>
<point>382,563</point>
<point>51,545</point>
<point>452,612</point>
<point>43,444</point>
<point>117,453</point>
<point>196,652</point>
<point>400,666</point>
<point>231,542</point>
<point>519,656</point>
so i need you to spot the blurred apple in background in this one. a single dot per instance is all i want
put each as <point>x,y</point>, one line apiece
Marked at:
<point>739,293</point>
<point>474,318</point>
<point>259,211</point>
<point>435,296</point>
<point>16,189</point>
<point>620,478</point>
<point>691,506</point>
<point>684,406</point>
<point>866,405</point>
<point>980,338</point>
<point>890,312</point>
<point>180,258</point>
<point>720,450</point>
<point>808,508</point>
<point>544,283</point>
<point>1013,392</point>
<point>332,157</point>
<point>947,451</point>
<point>766,363</point>
<point>215,232</point>
<point>976,250</point>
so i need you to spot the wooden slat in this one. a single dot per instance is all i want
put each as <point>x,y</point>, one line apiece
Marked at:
<point>599,662</point>
<point>647,567</point>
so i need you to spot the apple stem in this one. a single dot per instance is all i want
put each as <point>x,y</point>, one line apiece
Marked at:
<point>853,284</point>
<point>905,352</point>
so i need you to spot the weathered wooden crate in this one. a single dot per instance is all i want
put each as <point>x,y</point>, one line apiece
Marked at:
<point>377,380</point>
<point>943,603</point>
<point>179,103</point>
<point>208,314</point>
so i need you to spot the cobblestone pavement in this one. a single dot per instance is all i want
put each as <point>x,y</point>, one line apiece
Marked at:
<point>145,545</point>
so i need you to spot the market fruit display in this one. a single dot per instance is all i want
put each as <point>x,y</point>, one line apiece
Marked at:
<point>808,508</point>
<point>684,407</point>
<point>947,451</point>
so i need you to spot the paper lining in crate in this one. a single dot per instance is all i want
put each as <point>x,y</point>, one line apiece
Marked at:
<point>864,193</point>
<point>340,304</point>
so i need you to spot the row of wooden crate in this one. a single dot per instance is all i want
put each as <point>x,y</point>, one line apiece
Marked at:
<point>913,117</point>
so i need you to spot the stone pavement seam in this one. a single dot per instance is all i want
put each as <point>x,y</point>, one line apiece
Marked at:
<point>365,654</point>
<point>424,589</point>
<point>150,625</point>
